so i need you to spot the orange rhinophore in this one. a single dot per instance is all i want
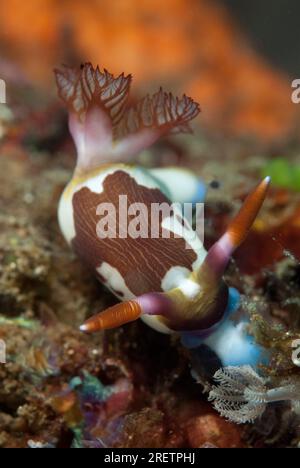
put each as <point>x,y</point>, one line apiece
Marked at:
<point>240,226</point>
<point>113,317</point>
<point>220,253</point>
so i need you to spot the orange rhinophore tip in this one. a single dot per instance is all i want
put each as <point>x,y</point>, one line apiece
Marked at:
<point>241,224</point>
<point>219,254</point>
<point>113,317</point>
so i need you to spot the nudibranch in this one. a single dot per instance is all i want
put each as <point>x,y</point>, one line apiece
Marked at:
<point>171,282</point>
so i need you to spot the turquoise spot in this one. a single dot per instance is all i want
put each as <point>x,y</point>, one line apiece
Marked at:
<point>200,193</point>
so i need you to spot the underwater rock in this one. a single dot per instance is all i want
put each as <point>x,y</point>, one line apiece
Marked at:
<point>212,429</point>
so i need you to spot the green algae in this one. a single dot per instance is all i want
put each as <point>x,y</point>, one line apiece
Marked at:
<point>283,173</point>
<point>19,322</point>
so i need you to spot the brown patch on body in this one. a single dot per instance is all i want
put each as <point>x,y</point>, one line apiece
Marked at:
<point>142,262</point>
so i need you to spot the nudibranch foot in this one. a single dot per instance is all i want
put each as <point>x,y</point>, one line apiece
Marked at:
<point>231,342</point>
<point>234,345</point>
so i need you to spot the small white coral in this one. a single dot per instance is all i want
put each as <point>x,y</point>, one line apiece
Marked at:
<point>241,395</point>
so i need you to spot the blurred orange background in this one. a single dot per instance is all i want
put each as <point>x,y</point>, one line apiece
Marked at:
<point>190,46</point>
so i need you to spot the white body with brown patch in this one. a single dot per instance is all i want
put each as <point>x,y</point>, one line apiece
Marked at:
<point>170,286</point>
<point>178,276</point>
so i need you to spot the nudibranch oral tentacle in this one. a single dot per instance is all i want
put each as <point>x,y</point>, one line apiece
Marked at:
<point>165,276</point>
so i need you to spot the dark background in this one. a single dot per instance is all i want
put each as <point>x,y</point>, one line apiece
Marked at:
<point>273,27</point>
